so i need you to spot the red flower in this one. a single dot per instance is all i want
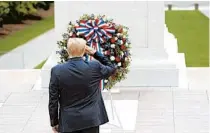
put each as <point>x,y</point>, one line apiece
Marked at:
<point>117,59</point>
<point>97,20</point>
<point>124,40</point>
<point>113,40</point>
<point>74,35</point>
<point>123,47</point>
<point>107,53</point>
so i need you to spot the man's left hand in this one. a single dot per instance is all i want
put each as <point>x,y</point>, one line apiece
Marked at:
<point>55,129</point>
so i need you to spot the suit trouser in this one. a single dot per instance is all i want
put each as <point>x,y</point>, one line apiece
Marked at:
<point>87,130</point>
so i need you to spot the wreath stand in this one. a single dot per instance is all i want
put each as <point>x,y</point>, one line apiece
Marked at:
<point>114,111</point>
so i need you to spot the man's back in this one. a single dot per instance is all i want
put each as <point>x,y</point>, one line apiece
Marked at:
<point>75,79</point>
<point>81,103</point>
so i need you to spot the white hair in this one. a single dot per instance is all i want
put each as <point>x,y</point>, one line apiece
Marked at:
<point>76,47</point>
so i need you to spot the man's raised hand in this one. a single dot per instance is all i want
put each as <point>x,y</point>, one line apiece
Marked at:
<point>89,50</point>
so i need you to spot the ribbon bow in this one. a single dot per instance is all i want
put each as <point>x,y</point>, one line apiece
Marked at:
<point>95,31</point>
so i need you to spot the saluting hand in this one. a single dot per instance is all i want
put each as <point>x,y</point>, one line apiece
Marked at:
<point>89,50</point>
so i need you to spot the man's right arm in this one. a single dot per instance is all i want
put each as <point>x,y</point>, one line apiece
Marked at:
<point>106,67</point>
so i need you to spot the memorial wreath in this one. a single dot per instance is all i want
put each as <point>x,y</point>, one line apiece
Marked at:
<point>107,37</point>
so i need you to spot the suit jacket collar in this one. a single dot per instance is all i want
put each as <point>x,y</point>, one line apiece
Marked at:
<point>75,58</point>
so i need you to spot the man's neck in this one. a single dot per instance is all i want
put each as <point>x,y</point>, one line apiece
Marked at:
<point>75,57</point>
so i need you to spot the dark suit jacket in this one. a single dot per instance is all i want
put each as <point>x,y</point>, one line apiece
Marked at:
<point>75,100</point>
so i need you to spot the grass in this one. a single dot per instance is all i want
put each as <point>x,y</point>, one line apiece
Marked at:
<point>20,37</point>
<point>40,65</point>
<point>191,28</point>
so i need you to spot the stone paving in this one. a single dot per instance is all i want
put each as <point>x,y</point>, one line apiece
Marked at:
<point>160,110</point>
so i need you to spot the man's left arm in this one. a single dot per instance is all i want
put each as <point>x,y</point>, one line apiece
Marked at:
<point>53,98</point>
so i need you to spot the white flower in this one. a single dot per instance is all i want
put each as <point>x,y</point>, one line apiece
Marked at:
<point>119,64</point>
<point>89,21</point>
<point>121,42</point>
<point>105,81</point>
<point>78,33</point>
<point>126,44</point>
<point>70,34</point>
<point>115,38</point>
<point>118,34</point>
<point>112,58</point>
<point>112,45</point>
<point>124,36</point>
<point>126,59</point>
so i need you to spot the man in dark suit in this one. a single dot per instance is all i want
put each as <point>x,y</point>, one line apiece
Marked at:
<point>75,100</point>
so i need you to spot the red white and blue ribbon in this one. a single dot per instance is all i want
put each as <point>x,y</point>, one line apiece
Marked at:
<point>96,32</point>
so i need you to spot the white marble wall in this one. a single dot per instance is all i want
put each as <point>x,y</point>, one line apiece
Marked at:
<point>131,14</point>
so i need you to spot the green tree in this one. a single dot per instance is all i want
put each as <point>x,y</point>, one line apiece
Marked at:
<point>4,10</point>
<point>44,4</point>
<point>19,9</point>
<point>16,11</point>
<point>26,7</point>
